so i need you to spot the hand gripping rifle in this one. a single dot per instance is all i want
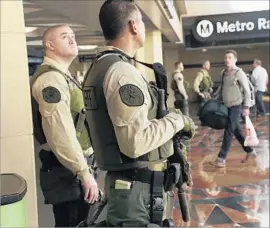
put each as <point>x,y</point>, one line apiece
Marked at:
<point>183,176</point>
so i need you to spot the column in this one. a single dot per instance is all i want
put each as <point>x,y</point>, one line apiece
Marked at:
<point>150,53</point>
<point>16,145</point>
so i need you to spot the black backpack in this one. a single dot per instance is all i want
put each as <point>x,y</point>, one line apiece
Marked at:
<point>213,113</point>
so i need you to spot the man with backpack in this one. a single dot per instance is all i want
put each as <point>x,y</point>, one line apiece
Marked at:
<point>178,86</point>
<point>234,91</point>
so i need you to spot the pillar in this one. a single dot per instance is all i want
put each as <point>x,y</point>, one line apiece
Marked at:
<point>16,135</point>
<point>150,53</point>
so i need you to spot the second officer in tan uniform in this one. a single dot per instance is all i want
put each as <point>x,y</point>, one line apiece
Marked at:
<point>178,85</point>
<point>58,113</point>
<point>203,82</point>
<point>130,143</point>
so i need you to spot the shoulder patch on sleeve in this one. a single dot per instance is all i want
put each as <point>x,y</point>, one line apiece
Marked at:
<point>131,95</point>
<point>51,94</point>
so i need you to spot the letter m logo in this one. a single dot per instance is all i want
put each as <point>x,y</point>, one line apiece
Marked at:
<point>205,28</point>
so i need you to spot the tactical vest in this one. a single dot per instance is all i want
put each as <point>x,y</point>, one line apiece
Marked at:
<point>174,84</point>
<point>76,108</point>
<point>206,83</point>
<point>104,141</point>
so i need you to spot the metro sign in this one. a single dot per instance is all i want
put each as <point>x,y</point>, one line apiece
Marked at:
<point>205,28</point>
<point>214,29</point>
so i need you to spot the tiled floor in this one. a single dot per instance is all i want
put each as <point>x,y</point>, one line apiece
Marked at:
<point>235,196</point>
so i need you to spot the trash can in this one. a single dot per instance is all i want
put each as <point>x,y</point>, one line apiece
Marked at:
<point>13,209</point>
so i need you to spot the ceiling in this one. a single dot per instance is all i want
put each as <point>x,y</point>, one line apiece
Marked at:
<point>209,7</point>
<point>82,16</point>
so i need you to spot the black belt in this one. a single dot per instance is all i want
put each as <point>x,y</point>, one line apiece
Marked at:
<point>143,175</point>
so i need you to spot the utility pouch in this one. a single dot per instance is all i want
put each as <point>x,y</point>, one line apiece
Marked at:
<point>157,204</point>
<point>60,185</point>
<point>172,175</point>
<point>80,123</point>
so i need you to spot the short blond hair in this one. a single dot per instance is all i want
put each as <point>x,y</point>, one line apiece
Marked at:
<point>49,30</point>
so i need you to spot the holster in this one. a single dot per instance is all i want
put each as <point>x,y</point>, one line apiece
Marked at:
<point>80,123</point>
<point>157,204</point>
<point>58,183</point>
<point>171,177</point>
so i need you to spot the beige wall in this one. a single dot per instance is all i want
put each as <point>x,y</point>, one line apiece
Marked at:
<point>173,53</point>
<point>151,52</point>
<point>17,149</point>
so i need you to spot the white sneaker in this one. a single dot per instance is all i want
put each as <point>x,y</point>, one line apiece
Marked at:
<point>250,157</point>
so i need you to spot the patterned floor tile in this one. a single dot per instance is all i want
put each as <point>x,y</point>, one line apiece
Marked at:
<point>204,211</point>
<point>217,216</point>
<point>235,196</point>
<point>237,216</point>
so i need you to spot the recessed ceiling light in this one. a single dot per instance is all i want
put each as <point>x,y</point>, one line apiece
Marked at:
<point>86,47</point>
<point>34,43</point>
<point>30,29</point>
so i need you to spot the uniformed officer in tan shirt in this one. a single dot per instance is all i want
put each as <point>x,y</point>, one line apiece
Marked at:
<point>62,156</point>
<point>180,93</point>
<point>122,111</point>
<point>203,83</point>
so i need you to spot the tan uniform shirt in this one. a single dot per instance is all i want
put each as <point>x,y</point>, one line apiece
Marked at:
<point>136,135</point>
<point>179,78</point>
<point>198,79</point>
<point>57,121</point>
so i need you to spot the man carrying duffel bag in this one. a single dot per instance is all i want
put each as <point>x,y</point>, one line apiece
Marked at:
<point>214,114</point>
<point>234,91</point>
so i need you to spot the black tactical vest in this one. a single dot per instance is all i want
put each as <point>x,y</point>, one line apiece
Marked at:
<point>76,109</point>
<point>104,141</point>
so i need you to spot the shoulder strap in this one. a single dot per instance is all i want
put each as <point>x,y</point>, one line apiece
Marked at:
<point>222,78</point>
<point>47,68</point>
<point>158,68</point>
<point>174,73</point>
<point>41,70</point>
<point>238,83</point>
<point>202,73</point>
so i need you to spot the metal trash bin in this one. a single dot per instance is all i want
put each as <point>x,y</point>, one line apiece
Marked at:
<point>13,209</point>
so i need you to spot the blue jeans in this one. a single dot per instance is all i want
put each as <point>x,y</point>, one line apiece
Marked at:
<point>259,102</point>
<point>233,128</point>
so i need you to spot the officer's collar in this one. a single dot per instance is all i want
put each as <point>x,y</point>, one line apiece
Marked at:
<point>122,54</point>
<point>112,49</point>
<point>49,61</point>
<point>204,70</point>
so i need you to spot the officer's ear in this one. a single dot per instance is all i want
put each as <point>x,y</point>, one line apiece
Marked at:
<point>49,45</point>
<point>133,27</point>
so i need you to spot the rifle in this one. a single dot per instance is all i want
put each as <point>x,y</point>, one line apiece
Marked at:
<point>178,140</point>
<point>94,211</point>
